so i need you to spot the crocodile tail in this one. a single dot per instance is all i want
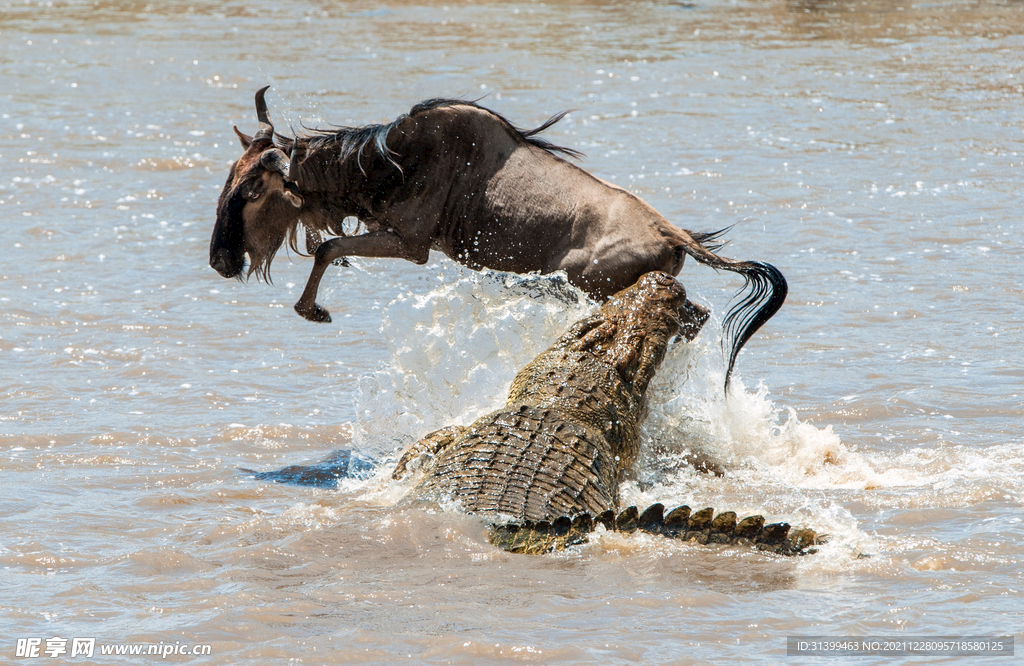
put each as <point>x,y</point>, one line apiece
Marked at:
<point>703,527</point>
<point>763,293</point>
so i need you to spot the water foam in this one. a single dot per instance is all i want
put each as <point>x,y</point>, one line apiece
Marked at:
<point>744,432</point>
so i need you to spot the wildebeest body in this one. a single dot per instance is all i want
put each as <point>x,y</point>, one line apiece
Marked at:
<point>457,178</point>
<point>524,208</point>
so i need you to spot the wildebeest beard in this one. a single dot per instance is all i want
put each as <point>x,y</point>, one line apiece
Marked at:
<point>456,177</point>
<point>262,245</point>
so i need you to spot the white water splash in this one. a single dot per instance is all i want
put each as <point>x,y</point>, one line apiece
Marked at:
<point>455,350</point>
<point>743,433</point>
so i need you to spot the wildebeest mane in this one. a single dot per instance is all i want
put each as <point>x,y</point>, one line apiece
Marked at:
<point>351,141</point>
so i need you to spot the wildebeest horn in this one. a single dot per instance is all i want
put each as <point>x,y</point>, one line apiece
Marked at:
<point>275,160</point>
<point>293,166</point>
<point>266,130</point>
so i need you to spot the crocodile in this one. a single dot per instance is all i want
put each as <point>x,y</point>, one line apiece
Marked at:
<point>546,468</point>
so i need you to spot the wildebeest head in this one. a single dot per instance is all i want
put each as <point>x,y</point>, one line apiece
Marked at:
<point>259,207</point>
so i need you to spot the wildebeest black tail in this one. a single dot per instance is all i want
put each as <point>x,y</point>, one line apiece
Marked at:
<point>763,293</point>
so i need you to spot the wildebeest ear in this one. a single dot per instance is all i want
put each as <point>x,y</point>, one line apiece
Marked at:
<point>291,194</point>
<point>244,138</point>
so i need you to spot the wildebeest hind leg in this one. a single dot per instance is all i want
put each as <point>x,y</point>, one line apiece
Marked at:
<point>373,244</point>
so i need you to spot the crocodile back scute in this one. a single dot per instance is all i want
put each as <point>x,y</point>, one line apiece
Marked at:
<point>585,389</point>
<point>528,462</point>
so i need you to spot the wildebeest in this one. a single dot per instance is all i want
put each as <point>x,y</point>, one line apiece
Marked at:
<point>455,177</point>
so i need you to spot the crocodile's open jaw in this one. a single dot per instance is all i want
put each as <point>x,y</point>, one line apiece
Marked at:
<point>637,324</point>
<point>692,320</point>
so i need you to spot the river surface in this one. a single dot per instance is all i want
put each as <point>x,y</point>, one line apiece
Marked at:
<point>872,151</point>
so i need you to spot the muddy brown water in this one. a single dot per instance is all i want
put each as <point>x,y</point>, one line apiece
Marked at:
<point>873,151</point>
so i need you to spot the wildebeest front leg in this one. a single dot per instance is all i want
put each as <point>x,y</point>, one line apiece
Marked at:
<point>313,240</point>
<point>373,244</point>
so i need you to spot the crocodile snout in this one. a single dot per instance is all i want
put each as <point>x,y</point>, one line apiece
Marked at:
<point>692,319</point>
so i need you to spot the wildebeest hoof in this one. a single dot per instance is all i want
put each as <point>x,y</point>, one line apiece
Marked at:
<point>316,313</point>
